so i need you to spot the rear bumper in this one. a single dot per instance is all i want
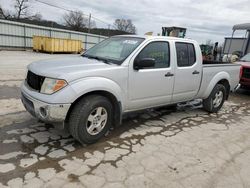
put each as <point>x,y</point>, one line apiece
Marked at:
<point>53,113</point>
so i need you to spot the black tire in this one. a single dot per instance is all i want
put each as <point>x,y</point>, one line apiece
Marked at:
<point>208,104</point>
<point>78,119</point>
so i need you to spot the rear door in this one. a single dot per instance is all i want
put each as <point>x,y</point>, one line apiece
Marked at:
<point>188,72</point>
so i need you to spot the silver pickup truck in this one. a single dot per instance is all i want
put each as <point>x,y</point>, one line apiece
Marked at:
<point>90,93</point>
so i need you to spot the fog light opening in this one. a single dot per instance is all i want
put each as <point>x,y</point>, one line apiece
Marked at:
<point>43,112</point>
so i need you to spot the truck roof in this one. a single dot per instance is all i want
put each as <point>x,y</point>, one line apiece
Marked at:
<point>159,37</point>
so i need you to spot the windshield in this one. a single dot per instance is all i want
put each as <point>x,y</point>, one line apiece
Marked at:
<point>246,58</point>
<point>114,50</point>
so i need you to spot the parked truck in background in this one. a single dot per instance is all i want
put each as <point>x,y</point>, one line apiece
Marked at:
<point>90,93</point>
<point>245,71</point>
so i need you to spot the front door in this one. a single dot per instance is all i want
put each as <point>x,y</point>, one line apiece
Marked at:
<point>152,86</point>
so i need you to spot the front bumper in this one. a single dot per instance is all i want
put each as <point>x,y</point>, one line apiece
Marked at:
<point>52,113</point>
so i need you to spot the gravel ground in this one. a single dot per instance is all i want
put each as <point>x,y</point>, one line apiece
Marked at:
<point>183,147</point>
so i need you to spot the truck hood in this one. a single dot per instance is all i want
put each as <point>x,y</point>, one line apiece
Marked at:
<point>63,68</point>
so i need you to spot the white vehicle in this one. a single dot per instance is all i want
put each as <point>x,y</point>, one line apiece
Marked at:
<point>90,93</point>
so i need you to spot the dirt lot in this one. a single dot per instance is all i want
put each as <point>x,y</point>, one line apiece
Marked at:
<point>186,147</point>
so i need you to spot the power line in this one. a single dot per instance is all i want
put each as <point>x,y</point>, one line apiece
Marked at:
<point>53,5</point>
<point>68,10</point>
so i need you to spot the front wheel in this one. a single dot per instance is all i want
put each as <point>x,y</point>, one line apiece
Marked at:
<point>216,99</point>
<point>90,119</point>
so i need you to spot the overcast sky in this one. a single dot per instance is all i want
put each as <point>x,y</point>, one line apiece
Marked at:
<point>210,19</point>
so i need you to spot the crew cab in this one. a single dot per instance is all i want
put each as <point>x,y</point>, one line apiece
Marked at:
<point>91,92</point>
<point>245,71</point>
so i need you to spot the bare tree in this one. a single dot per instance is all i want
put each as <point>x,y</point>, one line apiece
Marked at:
<point>21,7</point>
<point>125,25</point>
<point>36,16</point>
<point>76,20</point>
<point>21,11</point>
<point>4,13</point>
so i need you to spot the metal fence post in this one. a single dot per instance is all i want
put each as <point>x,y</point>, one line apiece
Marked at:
<point>24,36</point>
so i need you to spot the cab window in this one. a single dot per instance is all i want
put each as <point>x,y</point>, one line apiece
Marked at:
<point>159,51</point>
<point>185,54</point>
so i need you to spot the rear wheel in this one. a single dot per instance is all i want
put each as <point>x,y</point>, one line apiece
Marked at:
<point>90,119</point>
<point>216,99</point>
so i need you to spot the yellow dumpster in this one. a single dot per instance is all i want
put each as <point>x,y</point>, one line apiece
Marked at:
<point>55,45</point>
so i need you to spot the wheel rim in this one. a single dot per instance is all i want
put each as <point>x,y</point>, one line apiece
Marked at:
<point>218,99</point>
<point>97,120</point>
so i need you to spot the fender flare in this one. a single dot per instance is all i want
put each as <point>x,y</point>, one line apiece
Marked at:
<point>97,85</point>
<point>91,84</point>
<point>217,78</point>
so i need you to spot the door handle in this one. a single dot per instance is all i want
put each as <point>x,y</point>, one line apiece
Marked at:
<point>196,72</point>
<point>169,74</point>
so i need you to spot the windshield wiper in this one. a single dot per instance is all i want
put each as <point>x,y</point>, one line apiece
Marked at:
<point>97,58</point>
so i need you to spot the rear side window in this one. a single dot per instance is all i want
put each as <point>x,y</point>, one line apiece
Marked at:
<point>185,54</point>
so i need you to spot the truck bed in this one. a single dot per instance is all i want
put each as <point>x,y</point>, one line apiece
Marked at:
<point>212,68</point>
<point>209,62</point>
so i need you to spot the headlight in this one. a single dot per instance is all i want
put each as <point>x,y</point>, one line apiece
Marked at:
<point>51,85</point>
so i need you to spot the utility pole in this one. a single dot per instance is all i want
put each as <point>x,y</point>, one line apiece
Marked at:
<point>89,22</point>
<point>109,30</point>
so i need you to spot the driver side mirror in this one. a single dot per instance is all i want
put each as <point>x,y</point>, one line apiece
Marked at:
<point>144,63</point>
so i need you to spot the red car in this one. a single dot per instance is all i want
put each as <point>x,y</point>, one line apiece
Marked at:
<point>245,71</point>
